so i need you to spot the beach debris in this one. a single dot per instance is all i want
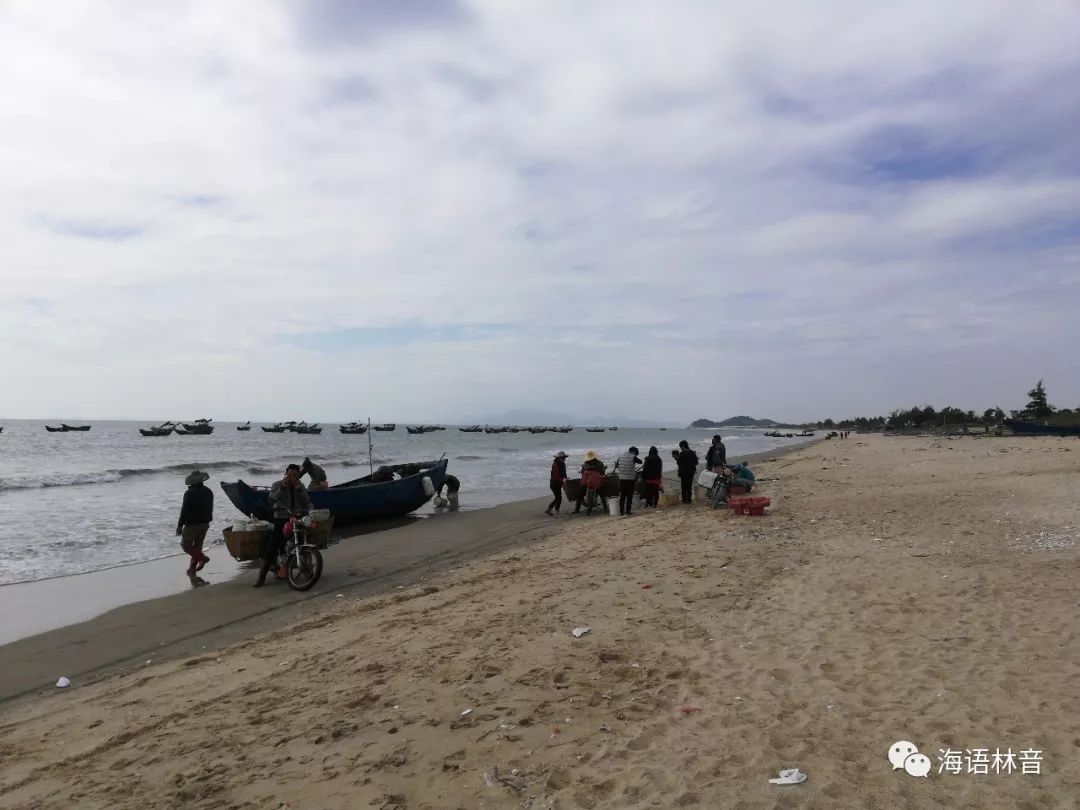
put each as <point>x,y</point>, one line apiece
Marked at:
<point>466,712</point>
<point>511,780</point>
<point>690,709</point>
<point>340,596</point>
<point>646,587</point>
<point>604,727</point>
<point>578,632</point>
<point>789,776</point>
<point>63,683</point>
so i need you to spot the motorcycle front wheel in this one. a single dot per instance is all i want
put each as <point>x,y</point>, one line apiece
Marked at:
<point>304,572</point>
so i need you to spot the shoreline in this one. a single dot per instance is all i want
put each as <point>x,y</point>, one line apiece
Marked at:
<point>126,613</point>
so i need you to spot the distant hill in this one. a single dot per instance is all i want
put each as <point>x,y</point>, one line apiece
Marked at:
<point>735,421</point>
<point>527,416</point>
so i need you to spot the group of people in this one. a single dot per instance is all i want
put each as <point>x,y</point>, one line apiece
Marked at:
<point>629,467</point>
<point>288,496</point>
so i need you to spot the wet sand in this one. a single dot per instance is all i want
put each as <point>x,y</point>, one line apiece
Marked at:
<point>231,609</point>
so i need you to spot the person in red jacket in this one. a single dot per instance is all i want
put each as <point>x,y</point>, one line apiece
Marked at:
<point>558,477</point>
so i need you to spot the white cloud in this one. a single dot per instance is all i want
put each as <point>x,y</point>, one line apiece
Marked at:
<point>689,205</point>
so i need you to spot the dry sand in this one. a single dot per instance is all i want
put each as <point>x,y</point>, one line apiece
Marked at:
<point>917,589</point>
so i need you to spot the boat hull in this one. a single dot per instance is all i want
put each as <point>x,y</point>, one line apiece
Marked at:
<point>1033,429</point>
<point>351,502</point>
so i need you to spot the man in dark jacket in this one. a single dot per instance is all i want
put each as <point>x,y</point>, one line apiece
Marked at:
<point>687,461</point>
<point>195,515</point>
<point>652,473</point>
<point>288,497</point>
<point>717,455</point>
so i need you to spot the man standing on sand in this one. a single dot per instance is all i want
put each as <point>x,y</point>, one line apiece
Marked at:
<point>626,467</point>
<point>317,473</point>
<point>288,497</point>
<point>195,515</point>
<point>717,455</point>
<point>687,461</point>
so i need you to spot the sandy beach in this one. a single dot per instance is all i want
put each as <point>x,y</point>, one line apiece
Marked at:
<point>913,589</point>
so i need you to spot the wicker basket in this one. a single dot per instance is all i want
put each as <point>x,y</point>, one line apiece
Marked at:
<point>319,534</point>
<point>245,546</point>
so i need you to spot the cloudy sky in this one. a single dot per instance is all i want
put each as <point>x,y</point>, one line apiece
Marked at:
<point>423,210</point>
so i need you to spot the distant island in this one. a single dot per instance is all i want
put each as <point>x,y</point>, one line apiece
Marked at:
<point>735,421</point>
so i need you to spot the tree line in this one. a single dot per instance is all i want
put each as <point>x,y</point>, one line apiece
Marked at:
<point>1037,408</point>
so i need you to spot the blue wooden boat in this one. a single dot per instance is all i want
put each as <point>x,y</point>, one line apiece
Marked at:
<point>391,491</point>
<point>1020,427</point>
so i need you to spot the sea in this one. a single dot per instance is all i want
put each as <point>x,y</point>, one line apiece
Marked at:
<point>77,502</point>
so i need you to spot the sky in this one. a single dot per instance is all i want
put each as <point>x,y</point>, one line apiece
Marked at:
<point>423,211</point>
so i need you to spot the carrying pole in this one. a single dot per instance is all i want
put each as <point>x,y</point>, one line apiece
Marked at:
<point>370,469</point>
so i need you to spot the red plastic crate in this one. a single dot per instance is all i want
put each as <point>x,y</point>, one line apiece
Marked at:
<point>749,504</point>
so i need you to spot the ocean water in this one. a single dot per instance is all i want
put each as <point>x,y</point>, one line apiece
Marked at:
<point>77,502</point>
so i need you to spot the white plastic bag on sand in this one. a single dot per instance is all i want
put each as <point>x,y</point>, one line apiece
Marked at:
<point>789,776</point>
<point>63,683</point>
<point>578,632</point>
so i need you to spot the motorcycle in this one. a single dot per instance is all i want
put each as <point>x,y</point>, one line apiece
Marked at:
<point>301,561</point>
<point>593,482</point>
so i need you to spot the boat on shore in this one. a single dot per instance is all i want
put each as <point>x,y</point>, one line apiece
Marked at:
<point>1022,427</point>
<point>390,491</point>
<point>389,426</point>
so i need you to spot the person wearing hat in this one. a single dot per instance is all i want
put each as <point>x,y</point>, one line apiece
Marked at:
<point>687,461</point>
<point>196,512</point>
<point>558,478</point>
<point>626,467</point>
<point>592,462</point>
